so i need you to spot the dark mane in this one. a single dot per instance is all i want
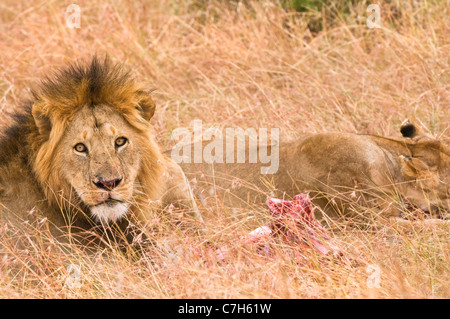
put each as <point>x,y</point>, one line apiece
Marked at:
<point>86,84</point>
<point>17,131</point>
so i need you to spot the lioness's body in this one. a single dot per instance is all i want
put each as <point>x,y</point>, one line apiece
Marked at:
<point>81,153</point>
<point>336,168</point>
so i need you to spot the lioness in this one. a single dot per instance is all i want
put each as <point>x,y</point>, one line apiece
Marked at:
<point>81,152</point>
<point>338,169</point>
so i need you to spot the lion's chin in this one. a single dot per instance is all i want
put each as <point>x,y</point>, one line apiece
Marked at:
<point>109,211</point>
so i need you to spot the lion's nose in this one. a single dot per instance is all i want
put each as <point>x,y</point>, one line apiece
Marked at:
<point>106,184</point>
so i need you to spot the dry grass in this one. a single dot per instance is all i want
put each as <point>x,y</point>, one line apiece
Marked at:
<point>253,65</point>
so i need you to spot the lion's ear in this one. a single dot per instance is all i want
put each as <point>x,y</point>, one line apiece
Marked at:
<point>413,168</point>
<point>41,119</point>
<point>410,130</point>
<point>146,105</point>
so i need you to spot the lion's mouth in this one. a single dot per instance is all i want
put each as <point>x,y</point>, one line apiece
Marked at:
<point>110,210</point>
<point>110,202</point>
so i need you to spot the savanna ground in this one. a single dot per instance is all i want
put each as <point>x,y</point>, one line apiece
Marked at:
<point>300,66</point>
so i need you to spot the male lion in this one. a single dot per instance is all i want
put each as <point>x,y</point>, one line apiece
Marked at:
<point>339,170</point>
<point>81,152</point>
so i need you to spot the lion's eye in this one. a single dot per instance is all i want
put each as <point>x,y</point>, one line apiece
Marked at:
<point>81,148</point>
<point>121,141</point>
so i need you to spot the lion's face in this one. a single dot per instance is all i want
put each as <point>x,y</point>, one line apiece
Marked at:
<point>428,166</point>
<point>428,162</point>
<point>98,156</point>
<point>90,141</point>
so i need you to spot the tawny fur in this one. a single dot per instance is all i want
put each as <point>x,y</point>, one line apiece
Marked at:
<point>338,169</point>
<point>39,171</point>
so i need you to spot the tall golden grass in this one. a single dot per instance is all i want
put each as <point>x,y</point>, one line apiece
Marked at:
<point>249,64</point>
